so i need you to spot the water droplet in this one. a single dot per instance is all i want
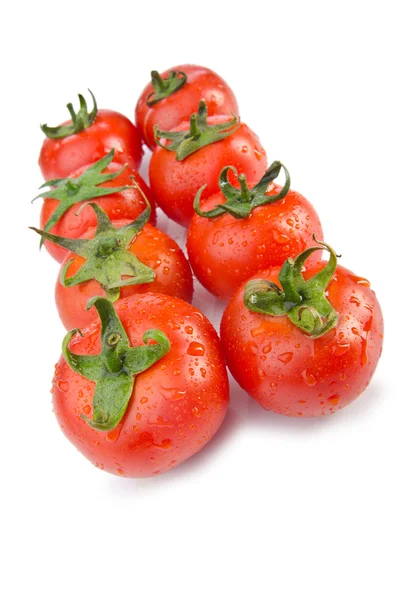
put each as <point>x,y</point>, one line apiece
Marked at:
<point>279,237</point>
<point>191,371</point>
<point>143,400</point>
<point>196,349</point>
<point>63,386</point>
<point>334,399</point>
<point>244,149</point>
<point>215,239</point>
<point>166,444</point>
<point>355,300</point>
<point>173,324</point>
<point>172,394</point>
<point>301,402</point>
<point>340,349</point>
<point>286,357</point>
<point>166,270</point>
<point>80,394</point>
<point>258,330</point>
<point>257,154</point>
<point>120,471</point>
<point>290,222</point>
<point>161,422</point>
<point>361,281</point>
<point>308,377</point>
<point>138,416</point>
<point>355,331</point>
<point>203,372</point>
<point>113,435</point>
<point>267,348</point>
<point>86,409</point>
<point>189,329</point>
<point>196,412</point>
<point>176,372</point>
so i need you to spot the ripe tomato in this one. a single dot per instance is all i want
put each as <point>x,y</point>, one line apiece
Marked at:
<point>174,181</point>
<point>227,249</point>
<point>96,134</point>
<point>125,204</point>
<point>176,405</point>
<point>171,97</point>
<point>155,249</point>
<point>286,370</point>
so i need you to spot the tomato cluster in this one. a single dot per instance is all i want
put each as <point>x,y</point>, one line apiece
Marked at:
<point>142,384</point>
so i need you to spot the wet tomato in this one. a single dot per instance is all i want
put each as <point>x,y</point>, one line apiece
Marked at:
<point>179,397</point>
<point>256,232</point>
<point>86,139</point>
<point>307,357</point>
<point>126,203</point>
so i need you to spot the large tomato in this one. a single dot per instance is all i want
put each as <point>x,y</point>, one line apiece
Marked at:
<point>86,138</point>
<point>257,232</point>
<point>125,204</point>
<point>306,357</point>
<point>187,162</point>
<point>171,97</point>
<point>176,405</point>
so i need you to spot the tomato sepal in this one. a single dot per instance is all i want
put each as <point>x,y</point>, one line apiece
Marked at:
<point>113,370</point>
<point>80,120</point>
<point>303,301</point>
<point>165,87</point>
<point>107,258</point>
<point>72,190</point>
<point>199,135</point>
<point>241,202</point>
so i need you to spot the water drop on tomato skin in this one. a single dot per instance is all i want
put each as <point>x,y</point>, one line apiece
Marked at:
<point>113,435</point>
<point>285,358</point>
<point>86,409</point>
<point>334,400</point>
<point>196,349</point>
<point>340,349</point>
<point>63,386</point>
<point>308,378</point>
<point>172,394</point>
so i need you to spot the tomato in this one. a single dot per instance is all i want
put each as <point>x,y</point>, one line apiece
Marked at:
<point>170,104</point>
<point>293,373</point>
<point>153,248</point>
<point>174,181</point>
<point>176,405</point>
<point>227,249</point>
<point>104,130</point>
<point>125,204</point>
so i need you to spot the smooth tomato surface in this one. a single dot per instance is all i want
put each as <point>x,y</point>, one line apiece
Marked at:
<point>225,251</point>
<point>127,204</point>
<point>175,183</point>
<point>155,249</point>
<point>201,84</point>
<point>59,158</point>
<point>177,405</point>
<point>292,374</point>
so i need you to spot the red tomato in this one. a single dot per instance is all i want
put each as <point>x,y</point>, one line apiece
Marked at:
<point>225,251</point>
<point>177,404</point>
<point>168,112</point>
<point>293,374</point>
<point>174,183</point>
<point>151,246</point>
<point>127,204</point>
<point>109,129</point>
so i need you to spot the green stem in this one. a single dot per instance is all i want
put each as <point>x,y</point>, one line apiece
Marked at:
<point>303,301</point>
<point>80,120</point>
<point>113,370</point>
<point>163,88</point>
<point>199,135</point>
<point>241,202</point>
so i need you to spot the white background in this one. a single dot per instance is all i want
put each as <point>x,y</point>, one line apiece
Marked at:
<point>273,507</point>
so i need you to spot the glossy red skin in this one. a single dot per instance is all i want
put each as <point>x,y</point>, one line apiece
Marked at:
<point>201,84</point>
<point>127,204</point>
<point>292,374</point>
<point>155,249</point>
<point>177,405</point>
<point>225,251</point>
<point>175,183</point>
<point>60,158</point>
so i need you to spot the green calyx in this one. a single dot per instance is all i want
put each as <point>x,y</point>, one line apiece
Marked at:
<point>163,88</point>
<point>240,202</point>
<point>80,120</point>
<point>107,256</point>
<point>200,133</point>
<point>303,301</point>
<point>70,191</point>
<point>115,368</point>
